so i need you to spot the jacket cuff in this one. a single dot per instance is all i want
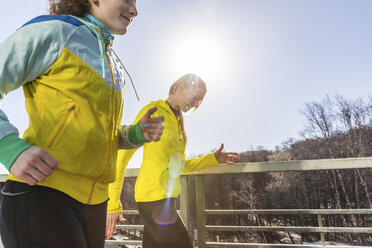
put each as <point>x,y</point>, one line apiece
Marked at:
<point>135,134</point>
<point>114,207</point>
<point>11,147</point>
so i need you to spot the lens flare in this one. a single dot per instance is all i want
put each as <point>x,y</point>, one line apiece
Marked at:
<point>176,164</point>
<point>163,215</point>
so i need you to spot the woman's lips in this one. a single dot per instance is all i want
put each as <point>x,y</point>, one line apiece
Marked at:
<point>126,18</point>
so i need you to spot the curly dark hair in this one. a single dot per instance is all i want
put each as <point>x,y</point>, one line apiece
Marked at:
<point>69,7</point>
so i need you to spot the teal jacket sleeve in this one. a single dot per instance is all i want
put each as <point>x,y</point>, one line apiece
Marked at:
<point>29,53</point>
<point>25,55</point>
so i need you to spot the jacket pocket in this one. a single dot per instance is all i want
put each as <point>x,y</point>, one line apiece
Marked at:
<point>61,126</point>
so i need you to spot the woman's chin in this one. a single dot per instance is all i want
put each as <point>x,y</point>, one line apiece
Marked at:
<point>120,31</point>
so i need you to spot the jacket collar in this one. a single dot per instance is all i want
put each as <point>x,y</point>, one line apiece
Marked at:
<point>107,36</point>
<point>164,105</point>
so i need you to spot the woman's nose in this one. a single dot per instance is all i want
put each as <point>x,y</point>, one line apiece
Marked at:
<point>133,10</point>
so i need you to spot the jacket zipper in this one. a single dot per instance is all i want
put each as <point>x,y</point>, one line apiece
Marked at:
<point>62,124</point>
<point>112,118</point>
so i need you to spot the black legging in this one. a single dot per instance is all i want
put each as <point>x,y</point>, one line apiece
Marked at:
<point>42,217</point>
<point>163,226</point>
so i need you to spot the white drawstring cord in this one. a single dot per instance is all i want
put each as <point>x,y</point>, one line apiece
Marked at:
<point>130,78</point>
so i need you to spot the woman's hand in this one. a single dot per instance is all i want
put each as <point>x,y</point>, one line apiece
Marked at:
<point>226,157</point>
<point>33,165</point>
<point>111,221</point>
<point>152,128</point>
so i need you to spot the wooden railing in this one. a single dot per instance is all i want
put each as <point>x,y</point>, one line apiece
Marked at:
<point>201,212</point>
<point>202,228</point>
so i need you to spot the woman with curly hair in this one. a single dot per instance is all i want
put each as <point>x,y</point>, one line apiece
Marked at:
<point>57,190</point>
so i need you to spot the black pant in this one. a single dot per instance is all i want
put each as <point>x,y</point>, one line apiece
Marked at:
<point>42,217</point>
<point>163,226</point>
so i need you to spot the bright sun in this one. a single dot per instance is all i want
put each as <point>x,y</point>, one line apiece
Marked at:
<point>199,53</point>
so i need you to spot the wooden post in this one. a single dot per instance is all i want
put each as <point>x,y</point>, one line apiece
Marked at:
<point>184,203</point>
<point>200,206</point>
<point>320,223</point>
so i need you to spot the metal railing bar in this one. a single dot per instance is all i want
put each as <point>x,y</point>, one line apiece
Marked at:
<point>129,227</point>
<point>130,212</point>
<point>286,211</point>
<point>135,212</point>
<point>225,244</point>
<point>291,229</point>
<point>285,166</point>
<point>123,242</point>
<point>131,172</point>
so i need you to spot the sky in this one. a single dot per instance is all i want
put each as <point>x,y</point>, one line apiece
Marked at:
<point>261,59</point>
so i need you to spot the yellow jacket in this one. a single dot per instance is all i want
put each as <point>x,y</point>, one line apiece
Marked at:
<point>162,163</point>
<point>73,87</point>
